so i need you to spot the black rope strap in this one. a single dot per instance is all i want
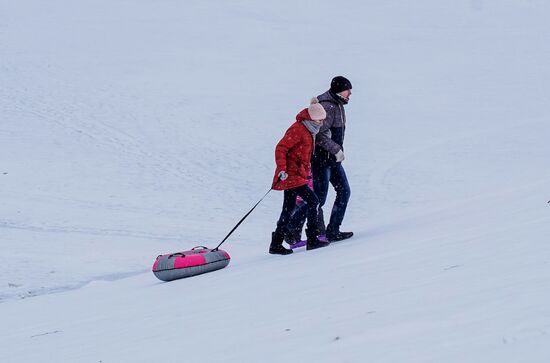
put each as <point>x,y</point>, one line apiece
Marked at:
<point>241,221</point>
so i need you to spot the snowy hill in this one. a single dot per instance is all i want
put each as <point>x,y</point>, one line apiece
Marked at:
<point>130,129</point>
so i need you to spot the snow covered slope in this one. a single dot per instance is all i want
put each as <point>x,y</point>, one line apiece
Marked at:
<point>134,128</point>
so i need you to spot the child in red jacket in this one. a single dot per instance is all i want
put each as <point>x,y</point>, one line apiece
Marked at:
<point>293,157</point>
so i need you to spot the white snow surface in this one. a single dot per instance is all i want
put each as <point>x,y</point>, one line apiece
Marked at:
<point>134,128</point>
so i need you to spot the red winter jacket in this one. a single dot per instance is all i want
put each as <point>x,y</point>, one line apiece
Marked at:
<point>293,154</point>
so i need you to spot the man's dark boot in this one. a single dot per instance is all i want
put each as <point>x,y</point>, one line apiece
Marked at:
<point>336,235</point>
<point>276,247</point>
<point>312,241</point>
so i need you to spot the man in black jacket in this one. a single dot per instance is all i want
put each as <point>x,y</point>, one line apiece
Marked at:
<point>326,163</point>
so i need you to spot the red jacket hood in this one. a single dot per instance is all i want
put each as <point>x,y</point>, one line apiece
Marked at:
<point>303,115</point>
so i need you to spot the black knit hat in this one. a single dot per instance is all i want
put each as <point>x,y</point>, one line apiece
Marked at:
<point>340,84</point>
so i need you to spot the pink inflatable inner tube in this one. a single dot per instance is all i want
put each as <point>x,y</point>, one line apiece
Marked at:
<point>197,261</point>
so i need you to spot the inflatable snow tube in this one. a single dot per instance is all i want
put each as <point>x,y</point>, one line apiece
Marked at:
<point>197,261</point>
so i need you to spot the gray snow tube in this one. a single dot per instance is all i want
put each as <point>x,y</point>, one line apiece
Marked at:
<point>197,261</point>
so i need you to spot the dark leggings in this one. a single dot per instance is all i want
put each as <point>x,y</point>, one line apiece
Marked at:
<point>322,176</point>
<point>289,203</point>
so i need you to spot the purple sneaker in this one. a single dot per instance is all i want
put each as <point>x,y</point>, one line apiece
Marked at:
<point>322,237</point>
<point>298,244</point>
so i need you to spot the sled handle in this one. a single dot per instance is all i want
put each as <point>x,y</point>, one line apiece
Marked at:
<point>177,254</point>
<point>202,247</point>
